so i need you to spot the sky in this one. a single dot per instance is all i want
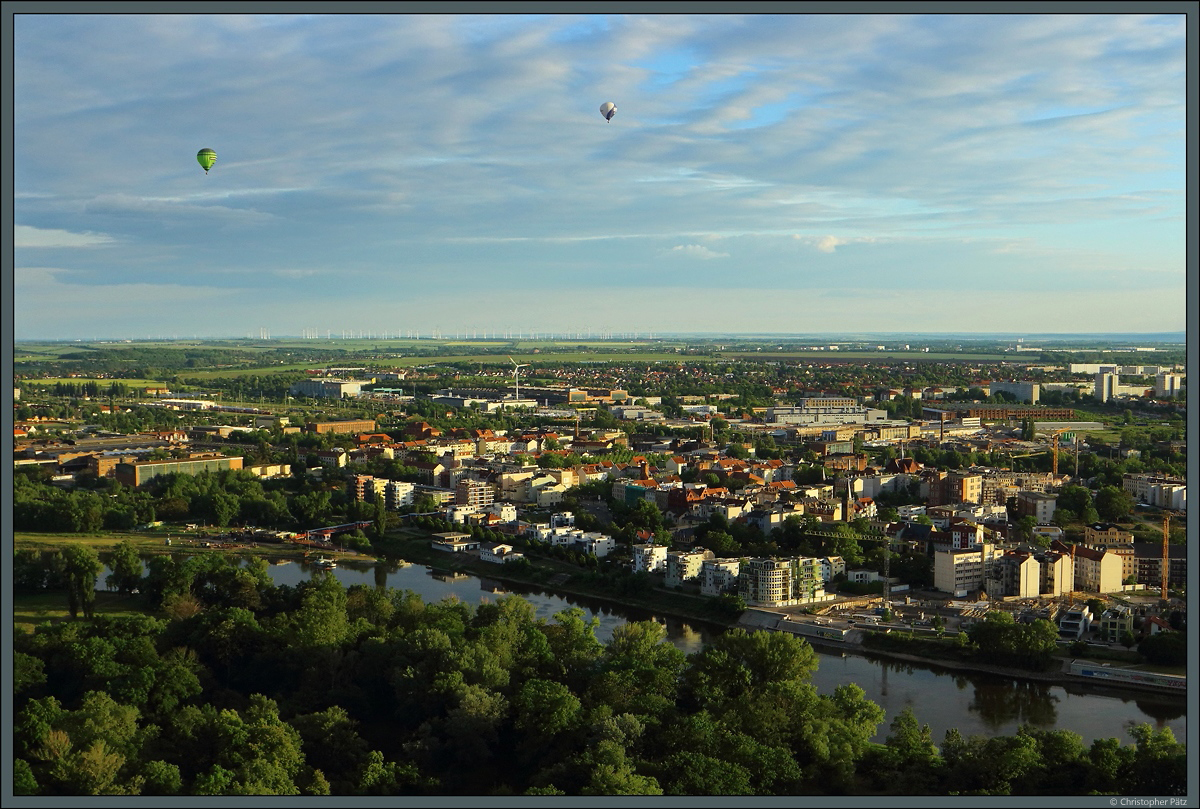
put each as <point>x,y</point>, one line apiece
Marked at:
<point>401,174</point>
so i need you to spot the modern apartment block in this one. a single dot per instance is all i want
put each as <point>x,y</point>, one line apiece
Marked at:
<point>649,558</point>
<point>1107,386</point>
<point>478,494</point>
<point>719,576</point>
<point>1168,384</point>
<point>1040,506</point>
<point>1029,574</point>
<point>685,566</point>
<point>765,582</point>
<point>963,571</point>
<point>1156,490</point>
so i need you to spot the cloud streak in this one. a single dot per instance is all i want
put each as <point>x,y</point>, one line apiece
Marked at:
<point>26,236</point>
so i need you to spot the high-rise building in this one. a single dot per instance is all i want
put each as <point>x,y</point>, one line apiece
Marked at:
<point>1106,386</point>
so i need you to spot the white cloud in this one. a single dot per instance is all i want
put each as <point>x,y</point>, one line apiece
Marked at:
<point>697,251</point>
<point>827,244</point>
<point>28,236</point>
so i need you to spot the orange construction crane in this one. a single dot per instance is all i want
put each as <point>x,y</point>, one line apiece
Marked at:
<point>1054,434</point>
<point>1166,564</point>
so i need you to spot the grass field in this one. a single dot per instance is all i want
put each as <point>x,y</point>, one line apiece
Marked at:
<point>145,543</point>
<point>32,609</point>
<point>887,356</point>
<point>107,541</point>
<point>132,384</point>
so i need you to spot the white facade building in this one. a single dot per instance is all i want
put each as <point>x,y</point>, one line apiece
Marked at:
<point>649,558</point>
<point>1168,384</point>
<point>719,576</point>
<point>685,566</point>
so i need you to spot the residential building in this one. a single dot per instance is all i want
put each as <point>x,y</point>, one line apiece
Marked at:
<point>649,558</point>
<point>1156,490</point>
<point>594,543</point>
<point>1096,571</point>
<point>766,582</point>
<point>1107,385</point>
<point>1110,537</point>
<point>454,542</point>
<point>831,567</point>
<point>1148,563</point>
<point>1029,573</point>
<point>1168,384</point>
<point>1040,506</point>
<point>1115,622</point>
<point>685,566</point>
<point>963,571</point>
<point>478,494</point>
<point>1075,622</point>
<point>719,576</point>
<point>498,553</point>
<point>398,493</point>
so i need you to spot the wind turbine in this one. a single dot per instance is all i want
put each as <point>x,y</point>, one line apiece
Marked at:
<point>517,376</point>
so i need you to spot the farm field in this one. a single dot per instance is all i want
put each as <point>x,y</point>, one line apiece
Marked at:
<point>887,356</point>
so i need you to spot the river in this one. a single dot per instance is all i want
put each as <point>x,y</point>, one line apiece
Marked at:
<point>987,705</point>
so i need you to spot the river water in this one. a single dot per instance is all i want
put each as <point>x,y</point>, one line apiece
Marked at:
<point>983,704</point>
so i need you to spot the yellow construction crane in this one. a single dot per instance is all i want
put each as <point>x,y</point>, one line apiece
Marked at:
<point>1054,434</point>
<point>1165,567</point>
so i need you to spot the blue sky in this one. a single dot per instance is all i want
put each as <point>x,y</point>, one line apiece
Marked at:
<point>792,173</point>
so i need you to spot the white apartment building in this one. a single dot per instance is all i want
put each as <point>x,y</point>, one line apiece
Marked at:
<point>1106,386</point>
<point>764,582</point>
<point>649,558</point>
<point>1156,490</point>
<point>398,493</point>
<point>499,553</point>
<point>719,576</point>
<point>1168,384</point>
<point>685,566</point>
<point>960,572</point>
<point>831,566</point>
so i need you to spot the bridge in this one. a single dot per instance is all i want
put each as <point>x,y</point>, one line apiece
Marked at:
<point>323,534</point>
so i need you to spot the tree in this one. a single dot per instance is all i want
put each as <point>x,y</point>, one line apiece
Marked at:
<point>126,568</point>
<point>380,517</point>
<point>1114,504</point>
<point>1165,648</point>
<point>1025,526</point>
<point>81,568</point>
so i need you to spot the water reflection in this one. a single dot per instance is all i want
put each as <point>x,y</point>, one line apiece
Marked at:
<point>1002,704</point>
<point>1161,711</point>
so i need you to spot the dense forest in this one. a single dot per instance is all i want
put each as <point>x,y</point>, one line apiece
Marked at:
<point>232,685</point>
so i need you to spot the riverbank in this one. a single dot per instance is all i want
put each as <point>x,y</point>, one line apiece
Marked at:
<point>563,578</point>
<point>155,543</point>
<point>1059,674</point>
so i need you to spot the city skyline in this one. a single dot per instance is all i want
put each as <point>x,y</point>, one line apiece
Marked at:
<point>763,174</point>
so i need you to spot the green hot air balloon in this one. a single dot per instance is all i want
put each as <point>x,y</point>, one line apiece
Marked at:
<point>206,158</point>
